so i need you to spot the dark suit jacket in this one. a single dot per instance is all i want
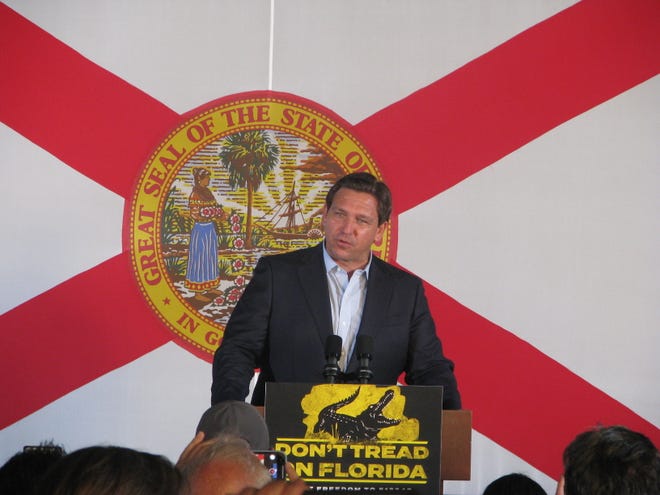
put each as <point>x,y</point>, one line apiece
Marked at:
<point>283,319</point>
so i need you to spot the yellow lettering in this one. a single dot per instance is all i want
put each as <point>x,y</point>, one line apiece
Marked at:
<point>400,471</point>
<point>421,452</point>
<point>317,450</point>
<point>357,450</point>
<point>304,469</point>
<point>299,450</point>
<point>284,447</point>
<point>357,470</point>
<point>418,472</point>
<point>338,449</point>
<point>404,453</point>
<point>376,471</point>
<point>387,452</point>
<point>372,452</point>
<point>339,473</point>
<point>326,468</point>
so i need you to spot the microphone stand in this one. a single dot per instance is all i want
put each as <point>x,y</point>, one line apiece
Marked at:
<point>332,355</point>
<point>365,347</point>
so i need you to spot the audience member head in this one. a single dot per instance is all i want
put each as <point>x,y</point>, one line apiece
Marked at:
<point>514,484</point>
<point>238,418</point>
<point>20,474</point>
<point>610,461</point>
<point>102,470</point>
<point>365,182</point>
<point>222,465</point>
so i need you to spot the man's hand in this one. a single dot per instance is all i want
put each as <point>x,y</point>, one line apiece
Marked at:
<point>291,472</point>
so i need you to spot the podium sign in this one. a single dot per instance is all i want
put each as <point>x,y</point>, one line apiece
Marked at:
<point>358,437</point>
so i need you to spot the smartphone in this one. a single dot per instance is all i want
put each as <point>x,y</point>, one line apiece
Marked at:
<point>275,462</point>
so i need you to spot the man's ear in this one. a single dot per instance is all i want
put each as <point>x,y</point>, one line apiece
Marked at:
<point>379,233</point>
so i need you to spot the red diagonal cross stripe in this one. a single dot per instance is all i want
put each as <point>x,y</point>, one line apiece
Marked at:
<point>78,331</point>
<point>458,115</point>
<point>77,111</point>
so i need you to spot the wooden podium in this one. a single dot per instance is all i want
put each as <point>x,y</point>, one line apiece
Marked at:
<point>456,449</point>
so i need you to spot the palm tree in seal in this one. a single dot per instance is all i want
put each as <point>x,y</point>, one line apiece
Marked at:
<point>249,157</point>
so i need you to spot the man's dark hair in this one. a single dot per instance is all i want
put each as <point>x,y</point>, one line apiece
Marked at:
<point>365,182</point>
<point>611,461</point>
<point>514,484</point>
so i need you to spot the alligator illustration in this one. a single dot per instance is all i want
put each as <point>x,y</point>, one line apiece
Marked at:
<point>363,427</point>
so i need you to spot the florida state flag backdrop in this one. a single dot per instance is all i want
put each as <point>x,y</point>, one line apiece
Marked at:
<point>520,140</point>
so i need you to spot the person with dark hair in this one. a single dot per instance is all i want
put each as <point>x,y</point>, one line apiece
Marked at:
<point>110,470</point>
<point>514,484</point>
<point>20,474</point>
<point>611,460</point>
<point>296,300</point>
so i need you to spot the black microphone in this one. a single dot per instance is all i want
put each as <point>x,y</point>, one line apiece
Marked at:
<point>332,354</point>
<point>365,350</point>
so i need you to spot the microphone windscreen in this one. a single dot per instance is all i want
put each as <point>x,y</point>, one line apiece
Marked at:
<point>365,345</point>
<point>333,346</point>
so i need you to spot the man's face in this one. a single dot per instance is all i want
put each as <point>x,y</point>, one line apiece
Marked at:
<point>351,227</point>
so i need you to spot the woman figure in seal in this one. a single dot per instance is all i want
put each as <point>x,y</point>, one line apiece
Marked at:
<point>202,274</point>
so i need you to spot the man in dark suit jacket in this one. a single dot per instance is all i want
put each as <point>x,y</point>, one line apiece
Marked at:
<point>284,317</point>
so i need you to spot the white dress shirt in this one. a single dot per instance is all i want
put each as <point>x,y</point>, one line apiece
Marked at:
<point>347,297</point>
